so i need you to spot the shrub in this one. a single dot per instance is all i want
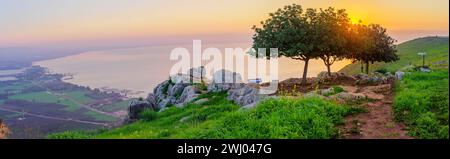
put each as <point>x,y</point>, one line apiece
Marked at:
<point>148,115</point>
<point>382,70</point>
<point>338,89</point>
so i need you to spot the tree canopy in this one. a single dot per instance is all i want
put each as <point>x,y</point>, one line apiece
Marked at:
<point>325,34</point>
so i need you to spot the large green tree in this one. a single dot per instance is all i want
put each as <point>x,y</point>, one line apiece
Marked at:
<point>371,43</point>
<point>330,28</point>
<point>288,29</point>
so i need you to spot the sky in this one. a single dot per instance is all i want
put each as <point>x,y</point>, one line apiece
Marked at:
<point>74,23</point>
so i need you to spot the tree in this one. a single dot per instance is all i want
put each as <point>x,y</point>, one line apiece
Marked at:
<point>371,44</point>
<point>288,29</point>
<point>331,28</point>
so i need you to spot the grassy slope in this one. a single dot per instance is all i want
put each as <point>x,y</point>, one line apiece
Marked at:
<point>422,101</point>
<point>435,47</point>
<point>220,118</point>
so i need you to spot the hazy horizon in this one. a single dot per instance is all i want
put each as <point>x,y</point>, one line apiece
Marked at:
<point>114,24</point>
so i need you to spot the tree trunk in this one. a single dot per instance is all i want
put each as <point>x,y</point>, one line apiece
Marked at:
<point>329,69</point>
<point>305,72</point>
<point>362,67</point>
<point>367,67</point>
<point>326,61</point>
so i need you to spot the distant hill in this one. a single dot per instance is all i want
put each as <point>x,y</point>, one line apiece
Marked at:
<point>435,47</point>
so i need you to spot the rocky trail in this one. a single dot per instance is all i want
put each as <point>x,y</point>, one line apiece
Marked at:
<point>375,96</point>
<point>378,122</point>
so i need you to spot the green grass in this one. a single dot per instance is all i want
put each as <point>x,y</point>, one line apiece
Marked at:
<point>100,117</point>
<point>435,47</point>
<point>16,87</point>
<point>220,118</point>
<point>44,97</point>
<point>79,96</point>
<point>422,101</point>
<point>123,105</point>
<point>336,90</point>
<point>148,115</point>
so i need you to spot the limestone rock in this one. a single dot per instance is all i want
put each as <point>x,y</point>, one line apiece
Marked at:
<point>225,80</point>
<point>136,108</point>
<point>189,93</point>
<point>399,75</point>
<point>244,96</point>
<point>176,89</point>
<point>348,96</point>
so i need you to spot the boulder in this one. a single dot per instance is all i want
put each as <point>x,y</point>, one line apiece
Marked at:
<point>151,99</point>
<point>326,91</point>
<point>201,101</point>
<point>373,79</point>
<point>161,89</point>
<point>166,102</point>
<point>424,69</point>
<point>225,80</point>
<point>244,96</point>
<point>189,93</point>
<point>225,76</point>
<point>136,108</point>
<point>399,75</point>
<point>348,96</point>
<point>180,78</point>
<point>176,89</point>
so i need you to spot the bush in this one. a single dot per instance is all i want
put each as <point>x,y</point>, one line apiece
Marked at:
<point>382,70</point>
<point>338,89</point>
<point>148,115</point>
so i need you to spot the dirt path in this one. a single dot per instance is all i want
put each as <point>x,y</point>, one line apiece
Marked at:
<point>378,122</point>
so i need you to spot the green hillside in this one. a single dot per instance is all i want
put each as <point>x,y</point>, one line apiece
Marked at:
<point>435,47</point>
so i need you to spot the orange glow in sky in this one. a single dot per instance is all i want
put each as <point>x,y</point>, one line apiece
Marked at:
<point>43,21</point>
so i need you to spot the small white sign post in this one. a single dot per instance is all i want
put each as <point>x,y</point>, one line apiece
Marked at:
<point>423,54</point>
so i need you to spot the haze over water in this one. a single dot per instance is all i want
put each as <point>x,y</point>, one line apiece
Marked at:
<point>141,69</point>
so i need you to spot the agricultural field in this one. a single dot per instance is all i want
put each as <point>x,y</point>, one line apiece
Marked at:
<point>37,104</point>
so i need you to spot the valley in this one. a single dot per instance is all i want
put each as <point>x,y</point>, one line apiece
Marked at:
<point>37,103</point>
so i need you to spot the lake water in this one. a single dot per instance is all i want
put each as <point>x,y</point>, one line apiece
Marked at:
<point>141,69</point>
<point>8,75</point>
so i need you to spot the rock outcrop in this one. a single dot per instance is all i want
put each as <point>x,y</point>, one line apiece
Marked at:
<point>244,96</point>
<point>176,92</point>
<point>225,80</point>
<point>374,79</point>
<point>136,108</point>
<point>189,94</point>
